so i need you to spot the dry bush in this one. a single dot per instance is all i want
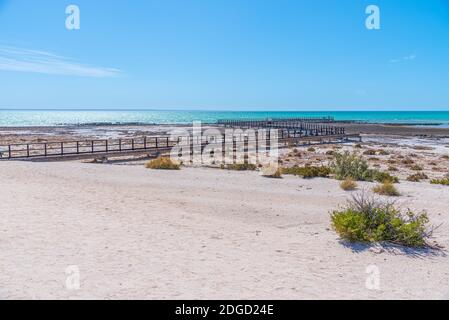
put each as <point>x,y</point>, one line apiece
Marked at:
<point>348,184</point>
<point>386,189</point>
<point>417,177</point>
<point>163,164</point>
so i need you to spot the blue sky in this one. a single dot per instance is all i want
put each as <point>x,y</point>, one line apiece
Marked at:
<point>225,55</point>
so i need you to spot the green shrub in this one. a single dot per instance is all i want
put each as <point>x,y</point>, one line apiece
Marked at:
<point>386,189</point>
<point>163,164</point>
<point>241,167</point>
<point>380,176</point>
<point>382,152</point>
<point>370,220</point>
<point>417,177</point>
<point>308,172</point>
<point>444,182</point>
<point>330,152</point>
<point>416,168</point>
<point>393,168</point>
<point>348,184</point>
<point>311,149</point>
<point>358,146</point>
<point>349,165</point>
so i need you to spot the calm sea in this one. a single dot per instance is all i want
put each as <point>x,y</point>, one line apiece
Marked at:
<point>10,118</point>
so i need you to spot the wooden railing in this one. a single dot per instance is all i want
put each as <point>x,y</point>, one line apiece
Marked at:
<point>161,143</point>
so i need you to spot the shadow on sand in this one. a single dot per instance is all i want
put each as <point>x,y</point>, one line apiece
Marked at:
<point>390,248</point>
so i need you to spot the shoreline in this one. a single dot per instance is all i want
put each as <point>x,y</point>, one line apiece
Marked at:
<point>25,134</point>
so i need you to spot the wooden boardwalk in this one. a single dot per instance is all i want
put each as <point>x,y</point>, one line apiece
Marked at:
<point>88,149</point>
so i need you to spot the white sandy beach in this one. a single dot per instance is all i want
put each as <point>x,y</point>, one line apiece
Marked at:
<point>197,234</point>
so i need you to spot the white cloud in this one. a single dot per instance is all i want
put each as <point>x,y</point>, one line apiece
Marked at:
<point>403,59</point>
<point>26,60</point>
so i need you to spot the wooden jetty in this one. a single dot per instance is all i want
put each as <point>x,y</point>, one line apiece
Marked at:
<point>152,146</point>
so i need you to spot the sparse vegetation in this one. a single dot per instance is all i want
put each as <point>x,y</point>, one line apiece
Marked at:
<point>393,169</point>
<point>348,184</point>
<point>382,152</point>
<point>386,189</point>
<point>308,172</point>
<point>407,161</point>
<point>358,146</point>
<point>417,177</point>
<point>350,165</point>
<point>311,149</point>
<point>369,220</point>
<point>369,152</point>
<point>444,182</point>
<point>416,168</point>
<point>241,167</point>
<point>163,164</point>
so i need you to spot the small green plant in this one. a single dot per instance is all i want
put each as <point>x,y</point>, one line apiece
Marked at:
<point>358,146</point>
<point>369,220</point>
<point>393,169</point>
<point>444,182</point>
<point>163,164</point>
<point>311,149</point>
<point>417,177</point>
<point>382,152</point>
<point>416,168</point>
<point>380,176</point>
<point>308,172</point>
<point>241,167</point>
<point>386,189</point>
<point>348,184</point>
<point>349,165</point>
<point>330,152</point>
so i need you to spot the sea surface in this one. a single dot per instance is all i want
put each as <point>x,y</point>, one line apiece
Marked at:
<point>19,118</point>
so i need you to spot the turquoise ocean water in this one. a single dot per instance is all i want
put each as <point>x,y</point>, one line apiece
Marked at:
<point>9,118</point>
